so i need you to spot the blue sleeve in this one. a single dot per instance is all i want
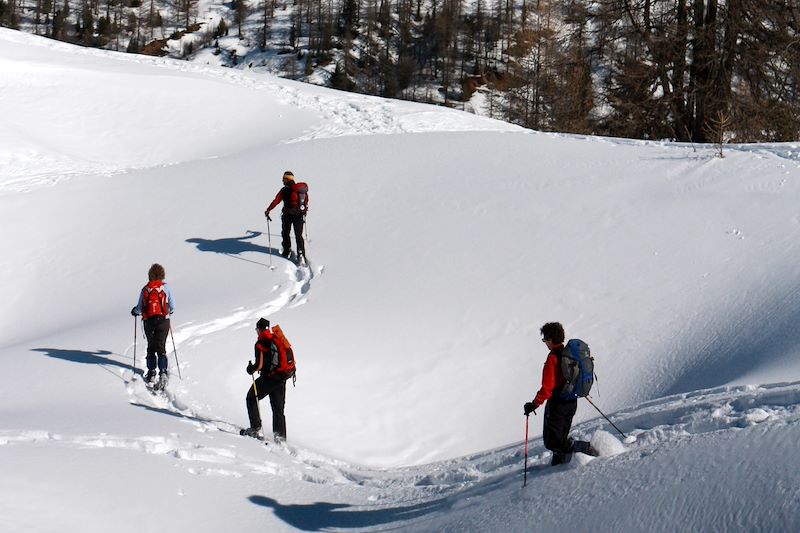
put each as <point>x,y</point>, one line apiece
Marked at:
<point>139,302</point>
<point>170,301</point>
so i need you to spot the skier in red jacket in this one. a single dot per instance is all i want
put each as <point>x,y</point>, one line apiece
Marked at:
<point>265,385</point>
<point>558,412</point>
<point>295,206</point>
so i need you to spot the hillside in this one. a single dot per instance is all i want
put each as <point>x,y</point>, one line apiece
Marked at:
<point>705,72</point>
<point>439,242</point>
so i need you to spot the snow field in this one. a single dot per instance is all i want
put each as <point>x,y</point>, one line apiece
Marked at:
<point>439,243</point>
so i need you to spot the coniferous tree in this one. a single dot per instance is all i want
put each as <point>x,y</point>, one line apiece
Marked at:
<point>241,12</point>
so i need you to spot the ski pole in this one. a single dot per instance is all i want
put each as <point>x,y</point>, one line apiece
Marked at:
<point>525,478</point>
<point>269,239</point>
<point>255,391</point>
<point>624,436</point>
<point>175,351</point>
<point>134,346</point>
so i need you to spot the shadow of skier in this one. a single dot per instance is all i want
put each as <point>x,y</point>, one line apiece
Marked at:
<point>82,356</point>
<point>322,516</point>
<point>87,358</point>
<point>233,246</point>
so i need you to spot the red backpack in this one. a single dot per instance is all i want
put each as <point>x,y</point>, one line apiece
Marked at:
<point>298,198</point>
<point>281,357</point>
<point>301,191</point>
<point>154,301</point>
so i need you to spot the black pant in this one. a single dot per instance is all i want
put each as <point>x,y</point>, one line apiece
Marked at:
<point>557,423</point>
<point>296,222</point>
<point>277,399</point>
<point>156,329</point>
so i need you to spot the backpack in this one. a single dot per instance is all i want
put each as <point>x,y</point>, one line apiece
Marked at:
<point>154,301</point>
<point>301,190</point>
<point>281,356</point>
<point>577,367</point>
<point>297,200</point>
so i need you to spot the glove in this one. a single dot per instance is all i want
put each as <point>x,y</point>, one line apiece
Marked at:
<point>133,312</point>
<point>529,408</point>
<point>266,214</point>
<point>251,368</point>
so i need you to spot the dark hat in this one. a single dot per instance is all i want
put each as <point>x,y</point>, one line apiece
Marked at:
<point>288,175</point>
<point>262,323</point>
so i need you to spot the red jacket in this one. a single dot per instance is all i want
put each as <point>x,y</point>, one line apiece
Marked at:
<point>552,379</point>
<point>288,196</point>
<point>262,349</point>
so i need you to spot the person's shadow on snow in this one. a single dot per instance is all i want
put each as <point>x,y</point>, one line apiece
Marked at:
<point>322,516</point>
<point>233,245</point>
<point>81,356</point>
<point>97,357</point>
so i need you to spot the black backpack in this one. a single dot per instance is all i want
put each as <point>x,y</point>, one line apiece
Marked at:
<point>577,367</point>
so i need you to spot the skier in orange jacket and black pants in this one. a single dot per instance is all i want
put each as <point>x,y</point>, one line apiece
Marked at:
<point>558,412</point>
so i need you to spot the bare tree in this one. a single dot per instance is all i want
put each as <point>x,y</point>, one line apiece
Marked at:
<point>715,129</point>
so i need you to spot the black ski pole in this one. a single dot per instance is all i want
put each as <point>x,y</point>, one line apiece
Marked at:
<point>525,477</point>
<point>175,351</point>
<point>134,347</point>
<point>624,436</point>
<point>269,240</point>
<point>255,392</point>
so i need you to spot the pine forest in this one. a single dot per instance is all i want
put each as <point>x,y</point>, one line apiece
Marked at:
<point>706,71</point>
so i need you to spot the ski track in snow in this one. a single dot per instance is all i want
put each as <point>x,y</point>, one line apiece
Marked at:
<point>226,460</point>
<point>653,424</point>
<point>291,293</point>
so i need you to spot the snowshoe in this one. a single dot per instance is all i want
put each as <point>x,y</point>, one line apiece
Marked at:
<point>581,446</point>
<point>252,432</point>
<point>161,384</point>
<point>150,377</point>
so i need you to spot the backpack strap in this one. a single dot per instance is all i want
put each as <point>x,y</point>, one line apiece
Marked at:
<point>262,350</point>
<point>289,201</point>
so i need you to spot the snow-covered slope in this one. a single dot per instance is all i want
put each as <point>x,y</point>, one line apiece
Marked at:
<point>439,242</point>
